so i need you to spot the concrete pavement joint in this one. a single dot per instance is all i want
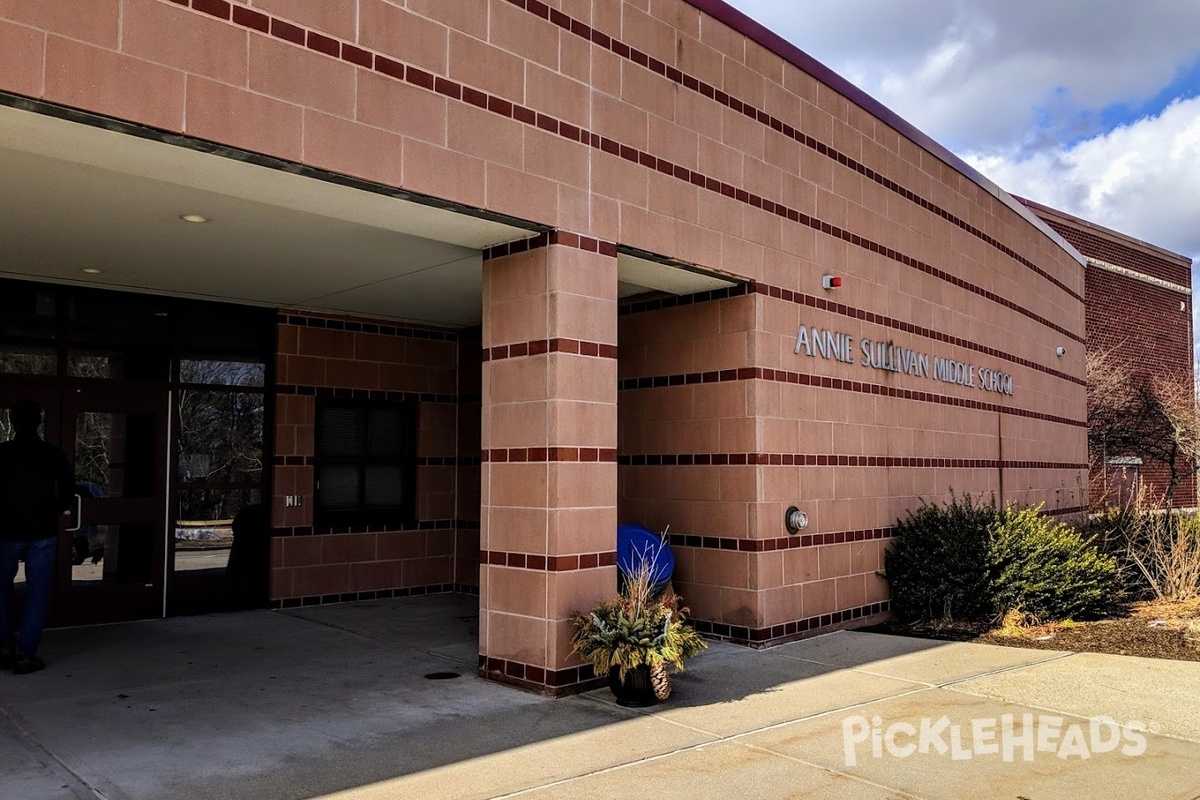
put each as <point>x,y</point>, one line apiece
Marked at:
<point>1002,670</point>
<point>1152,728</point>
<point>944,684</point>
<point>31,742</point>
<point>831,770</point>
<point>719,739</point>
<point>735,737</point>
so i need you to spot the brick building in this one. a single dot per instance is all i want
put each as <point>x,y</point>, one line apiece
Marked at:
<point>452,287</point>
<point>1138,301</point>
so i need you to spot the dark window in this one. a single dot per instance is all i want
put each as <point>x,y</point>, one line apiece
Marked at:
<point>366,462</point>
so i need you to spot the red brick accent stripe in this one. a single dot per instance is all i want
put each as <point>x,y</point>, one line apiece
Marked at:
<point>624,51</point>
<point>823,304</point>
<point>826,382</point>
<point>372,394</point>
<point>498,105</point>
<point>541,346</point>
<point>1060,512</point>
<point>403,527</point>
<point>778,543</point>
<point>504,455</point>
<point>375,594</point>
<point>830,460</point>
<point>308,319</point>
<point>539,679</point>
<point>217,8</point>
<point>544,563</point>
<point>559,238</point>
<point>796,629</point>
<point>287,31</point>
<point>248,18</point>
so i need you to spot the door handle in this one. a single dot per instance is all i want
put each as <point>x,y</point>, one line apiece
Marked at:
<point>78,514</point>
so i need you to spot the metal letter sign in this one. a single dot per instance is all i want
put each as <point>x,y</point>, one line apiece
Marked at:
<point>891,357</point>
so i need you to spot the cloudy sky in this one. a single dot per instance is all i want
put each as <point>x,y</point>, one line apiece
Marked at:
<point>1091,106</point>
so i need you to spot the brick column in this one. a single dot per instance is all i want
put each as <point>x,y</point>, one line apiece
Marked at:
<point>549,493</point>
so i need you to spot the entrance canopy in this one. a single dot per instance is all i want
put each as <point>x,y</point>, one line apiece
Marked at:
<point>90,204</point>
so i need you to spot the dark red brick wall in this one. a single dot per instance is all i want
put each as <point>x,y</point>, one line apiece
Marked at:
<point>1148,262</point>
<point>1146,326</point>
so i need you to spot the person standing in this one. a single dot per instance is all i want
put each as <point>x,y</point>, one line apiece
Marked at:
<point>36,485</point>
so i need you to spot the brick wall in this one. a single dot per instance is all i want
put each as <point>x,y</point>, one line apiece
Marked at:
<point>1145,325</point>
<point>658,127</point>
<point>723,427</point>
<point>320,355</point>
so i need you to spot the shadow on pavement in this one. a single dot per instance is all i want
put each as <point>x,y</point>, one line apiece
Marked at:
<point>308,702</point>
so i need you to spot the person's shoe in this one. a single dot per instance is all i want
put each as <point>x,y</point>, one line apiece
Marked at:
<point>7,659</point>
<point>23,665</point>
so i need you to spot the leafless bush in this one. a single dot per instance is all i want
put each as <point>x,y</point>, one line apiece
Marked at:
<point>1158,547</point>
<point>1132,412</point>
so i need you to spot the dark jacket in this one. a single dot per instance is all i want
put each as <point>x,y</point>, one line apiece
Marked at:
<point>36,485</point>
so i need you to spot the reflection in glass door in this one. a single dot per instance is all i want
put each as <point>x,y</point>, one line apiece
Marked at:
<point>117,440</point>
<point>220,555</point>
<point>162,405</point>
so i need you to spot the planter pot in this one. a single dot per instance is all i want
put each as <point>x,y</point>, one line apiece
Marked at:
<point>643,685</point>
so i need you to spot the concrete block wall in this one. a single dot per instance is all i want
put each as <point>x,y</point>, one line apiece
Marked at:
<point>676,129</point>
<point>321,355</point>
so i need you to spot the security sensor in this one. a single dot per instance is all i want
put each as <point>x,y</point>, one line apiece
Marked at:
<point>1061,351</point>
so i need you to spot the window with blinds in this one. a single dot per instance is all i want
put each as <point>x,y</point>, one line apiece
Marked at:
<point>365,462</point>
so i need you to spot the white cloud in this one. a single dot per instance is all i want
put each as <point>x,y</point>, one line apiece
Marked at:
<point>1017,87</point>
<point>982,73</point>
<point>1142,178</point>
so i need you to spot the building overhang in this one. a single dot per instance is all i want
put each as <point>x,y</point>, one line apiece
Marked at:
<point>97,202</point>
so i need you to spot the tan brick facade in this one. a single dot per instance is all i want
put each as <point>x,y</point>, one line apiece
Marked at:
<point>651,128</point>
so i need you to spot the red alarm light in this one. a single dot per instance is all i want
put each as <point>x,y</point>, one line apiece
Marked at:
<point>831,281</point>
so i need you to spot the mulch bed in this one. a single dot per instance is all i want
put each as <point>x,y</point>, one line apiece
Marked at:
<point>1155,629</point>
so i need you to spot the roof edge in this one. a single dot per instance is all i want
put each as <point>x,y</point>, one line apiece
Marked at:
<point>759,33</point>
<point>1184,261</point>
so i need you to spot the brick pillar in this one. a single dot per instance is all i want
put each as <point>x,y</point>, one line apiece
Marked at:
<point>549,493</point>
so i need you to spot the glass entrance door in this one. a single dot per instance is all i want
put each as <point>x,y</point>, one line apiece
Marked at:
<point>162,406</point>
<point>112,566</point>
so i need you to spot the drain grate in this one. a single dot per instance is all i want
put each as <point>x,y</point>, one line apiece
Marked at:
<point>442,676</point>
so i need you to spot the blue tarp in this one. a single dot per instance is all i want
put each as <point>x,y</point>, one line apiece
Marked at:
<point>635,543</point>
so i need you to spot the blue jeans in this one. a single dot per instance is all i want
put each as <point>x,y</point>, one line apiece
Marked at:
<point>38,556</point>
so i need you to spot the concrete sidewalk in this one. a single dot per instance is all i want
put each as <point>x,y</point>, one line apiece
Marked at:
<point>332,702</point>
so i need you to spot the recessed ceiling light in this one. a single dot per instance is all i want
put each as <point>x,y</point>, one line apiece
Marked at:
<point>197,218</point>
<point>91,270</point>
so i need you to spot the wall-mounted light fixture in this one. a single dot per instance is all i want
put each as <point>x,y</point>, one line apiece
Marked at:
<point>831,281</point>
<point>1060,351</point>
<point>795,520</point>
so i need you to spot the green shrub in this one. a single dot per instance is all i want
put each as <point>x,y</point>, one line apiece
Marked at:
<point>1045,568</point>
<point>938,565</point>
<point>972,562</point>
<point>1117,532</point>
